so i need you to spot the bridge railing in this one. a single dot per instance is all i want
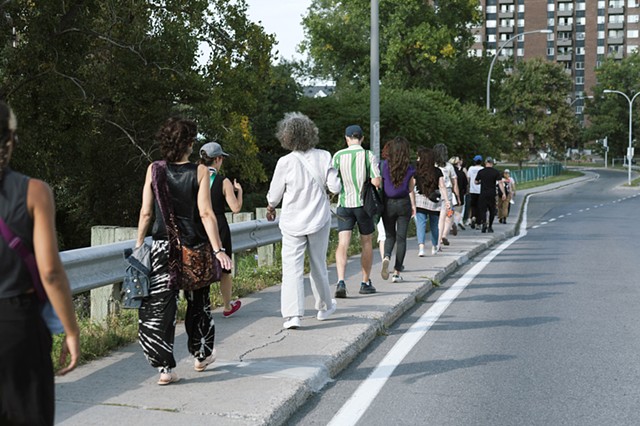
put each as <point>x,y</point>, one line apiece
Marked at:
<point>542,171</point>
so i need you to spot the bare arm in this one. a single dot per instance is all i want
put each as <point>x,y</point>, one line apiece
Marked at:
<point>443,192</point>
<point>229,191</point>
<point>146,210</point>
<point>41,207</point>
<point>412,196</point>
<point>501,186</point>
<point>209,218</point>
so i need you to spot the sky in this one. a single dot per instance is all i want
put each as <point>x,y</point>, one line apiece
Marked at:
<point>282,18</point>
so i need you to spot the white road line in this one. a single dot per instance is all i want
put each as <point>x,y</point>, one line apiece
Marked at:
<point>362,398</point>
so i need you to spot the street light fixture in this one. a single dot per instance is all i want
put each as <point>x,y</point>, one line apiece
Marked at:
<point>630,101</point>
<point>544,31</point>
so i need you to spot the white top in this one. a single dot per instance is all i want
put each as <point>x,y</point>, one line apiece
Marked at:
<point>474,188</point>
<point>449,173</point>
<point>305,206</point>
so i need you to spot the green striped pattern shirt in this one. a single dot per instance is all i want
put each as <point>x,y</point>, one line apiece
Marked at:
<point>351,167</point>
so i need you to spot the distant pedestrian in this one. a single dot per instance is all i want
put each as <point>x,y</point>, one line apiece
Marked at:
<point>189,198</point>
<point>212,156</point>
<point>451,183</point>
<point>26,372</point>
<point>300,181</point>
<point>352,164</point>
<point>474,190</point>
<point>428,179</point>
<point>458,209</point>
<point>510,191</point>
<point>400,205</point>
<point>487,178</point>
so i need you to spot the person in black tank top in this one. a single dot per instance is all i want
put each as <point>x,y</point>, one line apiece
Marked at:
<point>222,190</point>
<point>189,194</point>
<point>26,371</point>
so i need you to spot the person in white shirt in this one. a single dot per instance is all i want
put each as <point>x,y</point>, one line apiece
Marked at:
<point>445,223</point>
<point>300,181</point>
<point>474,190</point>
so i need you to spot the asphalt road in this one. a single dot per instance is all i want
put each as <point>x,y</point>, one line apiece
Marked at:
<point>545,334</point>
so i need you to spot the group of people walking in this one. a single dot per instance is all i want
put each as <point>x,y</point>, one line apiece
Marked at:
<point>433,191</point>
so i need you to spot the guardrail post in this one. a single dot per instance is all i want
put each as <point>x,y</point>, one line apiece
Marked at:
<point>240,217</point>
<point>266,254</point>
<point>103,299</point>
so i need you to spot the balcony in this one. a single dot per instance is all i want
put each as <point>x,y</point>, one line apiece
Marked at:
<point>615,40</point>
<point>563,57</point>
<point>505,1</point>
<point>565,13</point>
<point>506,15</point>
<point>510,29</point>
<point>564,42</point>
<point>564,27</point>
<point>616,10</point>
<point>615,25</point>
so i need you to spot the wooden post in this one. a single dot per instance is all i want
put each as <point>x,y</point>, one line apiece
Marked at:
<point>266,254</point>
<point>103,299</point>
<point>240,217</point>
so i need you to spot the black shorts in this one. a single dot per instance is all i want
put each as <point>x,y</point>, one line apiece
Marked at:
<point>348,217</point>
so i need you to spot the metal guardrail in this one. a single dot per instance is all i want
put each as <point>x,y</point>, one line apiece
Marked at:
<point>540,172</point>
<point>92,267</point>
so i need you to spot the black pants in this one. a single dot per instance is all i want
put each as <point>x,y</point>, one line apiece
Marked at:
<point>396,217</point>
<point>486,202</point>
<point>26,370</point>
<point>474,200</point>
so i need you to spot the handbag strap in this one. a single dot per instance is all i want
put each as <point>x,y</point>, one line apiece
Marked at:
<point>27,256</point>
<point>160,188</point>
<point>307,165</point>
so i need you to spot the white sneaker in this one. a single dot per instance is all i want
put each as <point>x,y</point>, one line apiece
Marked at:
<point>421,252</point>
<point>396,278</point>
<point>323,315</point>
<point>434,250</point>
<point>385,269</point>
<point>292,323</point>
<point>202,365</point>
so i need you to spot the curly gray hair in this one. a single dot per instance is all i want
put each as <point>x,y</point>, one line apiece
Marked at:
<point>297,132</point>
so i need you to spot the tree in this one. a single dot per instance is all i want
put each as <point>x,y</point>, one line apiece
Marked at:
<point>534,105</point>
<point>419,41</point>
<point>92,81</point>
<point>609,113</point>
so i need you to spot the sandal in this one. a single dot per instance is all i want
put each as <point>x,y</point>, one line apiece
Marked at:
<point>235,307</point>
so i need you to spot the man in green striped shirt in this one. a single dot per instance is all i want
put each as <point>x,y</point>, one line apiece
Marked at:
<point>352,164</point>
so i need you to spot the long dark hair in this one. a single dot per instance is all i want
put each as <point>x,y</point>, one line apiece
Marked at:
<point>441,154</point>
<point>426,178</point>
<point>399,157</point>
<point>8,127</point>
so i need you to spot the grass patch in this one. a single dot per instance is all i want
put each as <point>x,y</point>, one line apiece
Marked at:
<point>565,175</point>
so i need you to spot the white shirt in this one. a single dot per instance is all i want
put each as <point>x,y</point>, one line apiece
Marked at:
<point>474,188</point>
<point>305,206</point>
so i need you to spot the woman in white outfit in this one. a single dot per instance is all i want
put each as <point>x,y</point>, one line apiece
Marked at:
<point>300,181</point>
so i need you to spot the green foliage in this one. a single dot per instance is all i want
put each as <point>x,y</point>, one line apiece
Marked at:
<point>92,82</point>
<point>609,112</point>
<point>424,117</point>
<point>534,105</point>
<point>419,42</point>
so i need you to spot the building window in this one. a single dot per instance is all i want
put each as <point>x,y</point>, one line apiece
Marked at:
<point>616,33</point>
<point>579,80</point>
<point>579,65</point>
<point>491,38</point>
<point>492,9</point>
<point>520,52</point>
<point>551,22</point>
<point>506,22</point>
<point>520,23</point>
<point>551,7</point>
<point>581,20</point>
<point>581,6</point>
<point>565,6</point>
<point>579,50</point>
<point>580,36</point>
<point>600,20</point>
<point>618,19</point>
<point>521,8</point>
<point>632,48</point>
<point>632,34</point>
<point>616,3</point>
<point>633,3</point>
<point>600,50</point>
<point>601,4</point>
<point>633,18</point>
<point>491,23</point>
<point>549,51</point>
<point>551,37</point>
<point>600,35</point>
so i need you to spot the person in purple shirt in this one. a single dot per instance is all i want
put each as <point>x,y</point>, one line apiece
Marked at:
<point>400,204</point>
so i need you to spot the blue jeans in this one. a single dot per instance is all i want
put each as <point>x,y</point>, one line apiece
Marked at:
<point>421,226</point>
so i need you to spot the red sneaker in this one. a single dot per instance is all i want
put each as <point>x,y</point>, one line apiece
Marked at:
<point>235,307</point>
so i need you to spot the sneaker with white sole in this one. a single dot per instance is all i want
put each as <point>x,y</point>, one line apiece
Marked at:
<point>202,365</point>
<point>323,315</point>
<point>396,278</point>
<point>292,323</point>
<point>384,272</point>
<point>168,378</point>
<point>421,252</point>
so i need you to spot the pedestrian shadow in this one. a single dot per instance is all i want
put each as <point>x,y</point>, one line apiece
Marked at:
<point>492,298</point>
<point>447,325</point>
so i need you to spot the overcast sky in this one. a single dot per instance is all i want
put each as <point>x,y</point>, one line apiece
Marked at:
<point>282,18</point>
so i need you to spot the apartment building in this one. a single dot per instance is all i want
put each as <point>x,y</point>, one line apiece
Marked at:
<point>583,34</point>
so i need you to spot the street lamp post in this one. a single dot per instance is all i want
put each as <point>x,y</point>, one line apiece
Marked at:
<point>630,101</point>
<point>544,31</point>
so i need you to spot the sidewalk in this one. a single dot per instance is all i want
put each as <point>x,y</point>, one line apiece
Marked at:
<point>263,373</point>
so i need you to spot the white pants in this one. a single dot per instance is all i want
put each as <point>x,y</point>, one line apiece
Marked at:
<point>292,292</point>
